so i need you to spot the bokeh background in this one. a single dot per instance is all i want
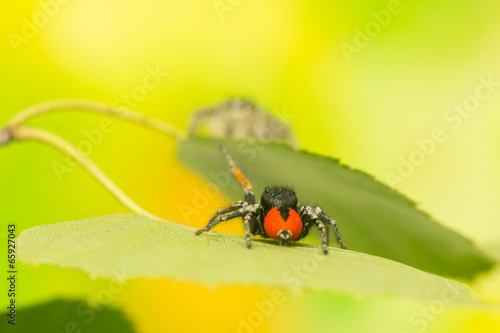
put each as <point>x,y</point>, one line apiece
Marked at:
<point>364,99</point>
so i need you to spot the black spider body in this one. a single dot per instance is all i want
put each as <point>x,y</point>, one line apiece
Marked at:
<point>278,216</point>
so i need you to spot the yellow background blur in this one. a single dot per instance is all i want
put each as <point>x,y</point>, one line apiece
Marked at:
<point>366,106</point>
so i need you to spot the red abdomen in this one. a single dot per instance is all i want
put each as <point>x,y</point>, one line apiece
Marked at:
<point>274,222</point>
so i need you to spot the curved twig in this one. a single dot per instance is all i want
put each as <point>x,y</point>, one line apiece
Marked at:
<point>30,133</point>
<point>85,105</point>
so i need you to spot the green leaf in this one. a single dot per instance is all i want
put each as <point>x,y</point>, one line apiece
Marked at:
<point>125,246</point>
<point>372,218</point>
<point>68,316</point>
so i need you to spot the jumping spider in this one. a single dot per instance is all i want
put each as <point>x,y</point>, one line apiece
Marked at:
<point>278,216</point>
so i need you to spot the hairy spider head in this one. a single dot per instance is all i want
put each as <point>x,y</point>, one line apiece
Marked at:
<point>279,208</point>
<point>278,196</point>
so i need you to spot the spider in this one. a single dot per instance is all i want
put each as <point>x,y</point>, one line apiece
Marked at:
<point>278,216</point>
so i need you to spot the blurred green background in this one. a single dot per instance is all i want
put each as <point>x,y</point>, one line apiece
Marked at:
<point>362,81</point>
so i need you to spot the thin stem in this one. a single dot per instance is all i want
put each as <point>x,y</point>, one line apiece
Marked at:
<point>85,105</point>
<point>29,133</point>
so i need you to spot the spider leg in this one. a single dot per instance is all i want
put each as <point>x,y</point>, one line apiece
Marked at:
<point>237,209</point>
<point>246,225</point>
<point>311,214</point>
<point>318,216</point>
<point>324,218</point>
<point>325,241</point>
<point>245,183</point>
<point>224,210</point>
<point>222,218</point>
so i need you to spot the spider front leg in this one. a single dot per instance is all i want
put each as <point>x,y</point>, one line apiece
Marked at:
<point>225,214</point>
<point>233,208</point>
<point>324,218</point>
<point>318,216</point>
<point>240,177</point>
<point>325,241</point>
<point>246,225</point>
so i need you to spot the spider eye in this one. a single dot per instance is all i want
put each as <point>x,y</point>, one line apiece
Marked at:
<point>267,191</point>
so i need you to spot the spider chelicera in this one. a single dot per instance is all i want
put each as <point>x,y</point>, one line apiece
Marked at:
<point>278,216</point>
